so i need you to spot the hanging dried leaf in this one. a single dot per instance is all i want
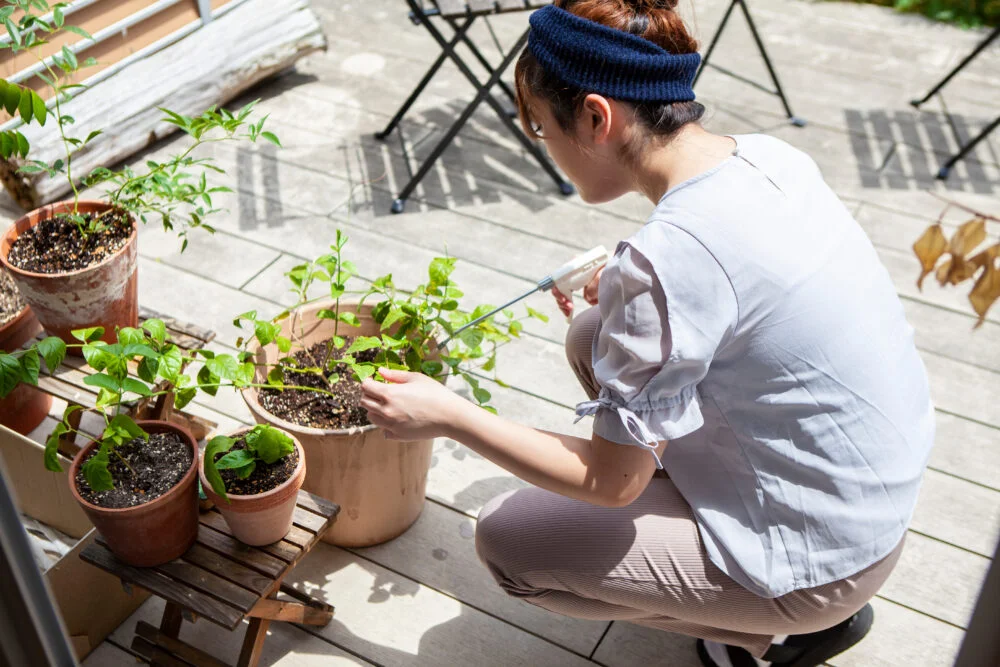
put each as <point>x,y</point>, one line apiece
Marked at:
<point>968,236</point>
<point>944,270</point>
<point>986,256</point>
<point>985,292</point>
<point>955,270</point>
<point>929,248</point>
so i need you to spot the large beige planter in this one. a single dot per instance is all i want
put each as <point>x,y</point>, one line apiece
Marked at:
<point>378,483</point>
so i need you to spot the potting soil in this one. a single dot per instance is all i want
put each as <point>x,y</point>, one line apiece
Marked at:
<point>318,410</point>
<point>10,301</point>
<point>157,466</point>
<point>264,476</point>
<point>56,245</point>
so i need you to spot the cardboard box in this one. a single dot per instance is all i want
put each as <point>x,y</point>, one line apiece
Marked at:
<point>92,602</point>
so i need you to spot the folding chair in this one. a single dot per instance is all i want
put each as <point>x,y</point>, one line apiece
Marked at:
<point>778,92</point>
<point>460,15</point>
<point>972,143</point>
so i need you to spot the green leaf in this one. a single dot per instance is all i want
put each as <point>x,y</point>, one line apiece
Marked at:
<point>136,387</point>
<point>38,106</point>
<point>88,335</point>
<point>171,362</point>
<point>276,377</point>
<point>364,371</point>
<point>238,458</point>
<point>440,268</point>
<point>184,396</point>
<point>30,366</point>
<point>123,424</point>
<point>11,98</point>
<point>537,315</point>
<point>104,381</point>
<point>52,448</point>
<point>270,137</point>
<point>148,368</point>
<point>97,356</point>
<point>53,351</point>
<point>266,332</point>
<point>13,31</point>
<point>22,144</point>
<point>249,315</point>
<point>515,329</point>
<point>431,368</point>
<point>82,33</point>
<point>284,344</point>
<point>362,343</point>
<point>450,304</point>
<point>58,17</point>
<point>26,108</point>
<point>70,57</point>
<point>350,319</point>
<point>217,445</point>
<point>224,366</point>
<point>208,381</point>
<point>471,337</point>
<point>155,327</point>
<point>481,395</point>
<point>270,443</point>
<point>10,373</point>
<point>95,470</point>
<point>130,336</point>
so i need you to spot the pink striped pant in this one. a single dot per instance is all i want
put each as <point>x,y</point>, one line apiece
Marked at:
<point>644,563</point>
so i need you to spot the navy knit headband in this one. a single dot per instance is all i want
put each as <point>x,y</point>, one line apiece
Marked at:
<point>600,59</point>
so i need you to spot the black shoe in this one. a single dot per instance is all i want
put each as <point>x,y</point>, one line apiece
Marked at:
<point>808,650</point>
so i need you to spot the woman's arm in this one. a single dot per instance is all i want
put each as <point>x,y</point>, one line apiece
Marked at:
<point>597,471</point>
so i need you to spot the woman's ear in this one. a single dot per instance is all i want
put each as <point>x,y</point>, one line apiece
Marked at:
<point>597,118</point>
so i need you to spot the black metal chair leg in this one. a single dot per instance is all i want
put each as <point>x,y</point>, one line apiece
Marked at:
<point>958,68</point>
<point>945,170</point>
<point>715,40</point>
<point>398,117</point>
<point>481,94</point>
<point>798,122</point>
<point>486,65</point>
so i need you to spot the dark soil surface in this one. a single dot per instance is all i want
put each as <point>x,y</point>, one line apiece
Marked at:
<point>158,464</point>
<point>56,245</point>
<point>10,300</point>
<point>309,408</point>
<point>263,478</point>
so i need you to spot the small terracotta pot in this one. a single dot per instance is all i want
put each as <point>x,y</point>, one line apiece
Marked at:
<point>25,407</point>
<point>263,518</point>
<point>379,483</point>
<point>155,532</point>
<point>105,294</point>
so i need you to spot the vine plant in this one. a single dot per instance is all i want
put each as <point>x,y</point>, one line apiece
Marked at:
<point>175,191</point>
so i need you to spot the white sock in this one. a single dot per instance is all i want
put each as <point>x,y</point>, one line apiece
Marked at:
<point>720,654</point>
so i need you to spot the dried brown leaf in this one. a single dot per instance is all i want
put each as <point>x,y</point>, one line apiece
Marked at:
<point>967,237</point>
<point>982,259</point>
<point>985,292</point>
<point>944,270</point>
<point>929,248</point>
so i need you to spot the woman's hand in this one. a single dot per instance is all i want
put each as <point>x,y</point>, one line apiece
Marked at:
<point>411,406</point>
<point>565,302</point>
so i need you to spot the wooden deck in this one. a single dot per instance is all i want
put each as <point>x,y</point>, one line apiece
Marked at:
<point>424,599</point>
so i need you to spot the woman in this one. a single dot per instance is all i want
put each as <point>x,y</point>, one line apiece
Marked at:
<point>746,340</point>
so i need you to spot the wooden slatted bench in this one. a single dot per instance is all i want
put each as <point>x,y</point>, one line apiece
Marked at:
<point>67,384</point>
<point>226,582</point>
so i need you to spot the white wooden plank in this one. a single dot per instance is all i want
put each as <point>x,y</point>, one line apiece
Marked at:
<point>936,579</point>
<point>962,389</point>
<point>393,620</point>
<point>967,449</point>
<point>958,512</point>
<point>950,334</point>
<point>628,645</point>
<point>439,551</point>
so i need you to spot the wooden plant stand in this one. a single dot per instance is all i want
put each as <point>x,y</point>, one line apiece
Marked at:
<point>67,384</point>
<point>226,582</point>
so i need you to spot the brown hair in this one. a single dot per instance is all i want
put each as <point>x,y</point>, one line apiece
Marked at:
<point>654,20</point>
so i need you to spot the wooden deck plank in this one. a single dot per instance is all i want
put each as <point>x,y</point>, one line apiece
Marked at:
<point>439,551</point>
<point>397,621</point>
<point>958,512</point>
<point>628,645</point>
<point>967,450</point>
<point>936,579</point>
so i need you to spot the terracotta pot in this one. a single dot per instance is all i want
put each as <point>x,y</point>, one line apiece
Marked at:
<point>155,532</point>
<point>378,483</point>
<point>105,294</point>
<point>263,518</point>
<point>25,407</point>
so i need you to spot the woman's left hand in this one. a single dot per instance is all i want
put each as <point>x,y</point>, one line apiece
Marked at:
<point>411,406</point>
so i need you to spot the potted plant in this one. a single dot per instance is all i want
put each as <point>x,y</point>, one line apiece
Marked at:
<point>75,262</point>
<point>329,345</point>
<point>253,476</point>
<point>25,408</point>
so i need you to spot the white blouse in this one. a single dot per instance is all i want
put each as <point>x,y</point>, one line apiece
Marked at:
<point>751,324</point>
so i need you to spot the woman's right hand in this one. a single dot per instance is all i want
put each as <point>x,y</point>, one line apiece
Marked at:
<point>565,302</point>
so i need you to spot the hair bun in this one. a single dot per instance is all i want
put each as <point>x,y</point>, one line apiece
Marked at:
<point>648,6</point>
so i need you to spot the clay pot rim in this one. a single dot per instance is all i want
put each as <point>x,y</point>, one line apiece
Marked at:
<point>13,322</point>
<point>60,274</point>
<point>152,504</point>
<point>296,473</point>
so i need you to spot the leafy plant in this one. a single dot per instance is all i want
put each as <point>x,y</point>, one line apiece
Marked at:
<point>141,363</point>
<point>965,13</point>
<point>956,261</point>
<point>262,443</point>
<point>176,191</point>
<point>410,324</point>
